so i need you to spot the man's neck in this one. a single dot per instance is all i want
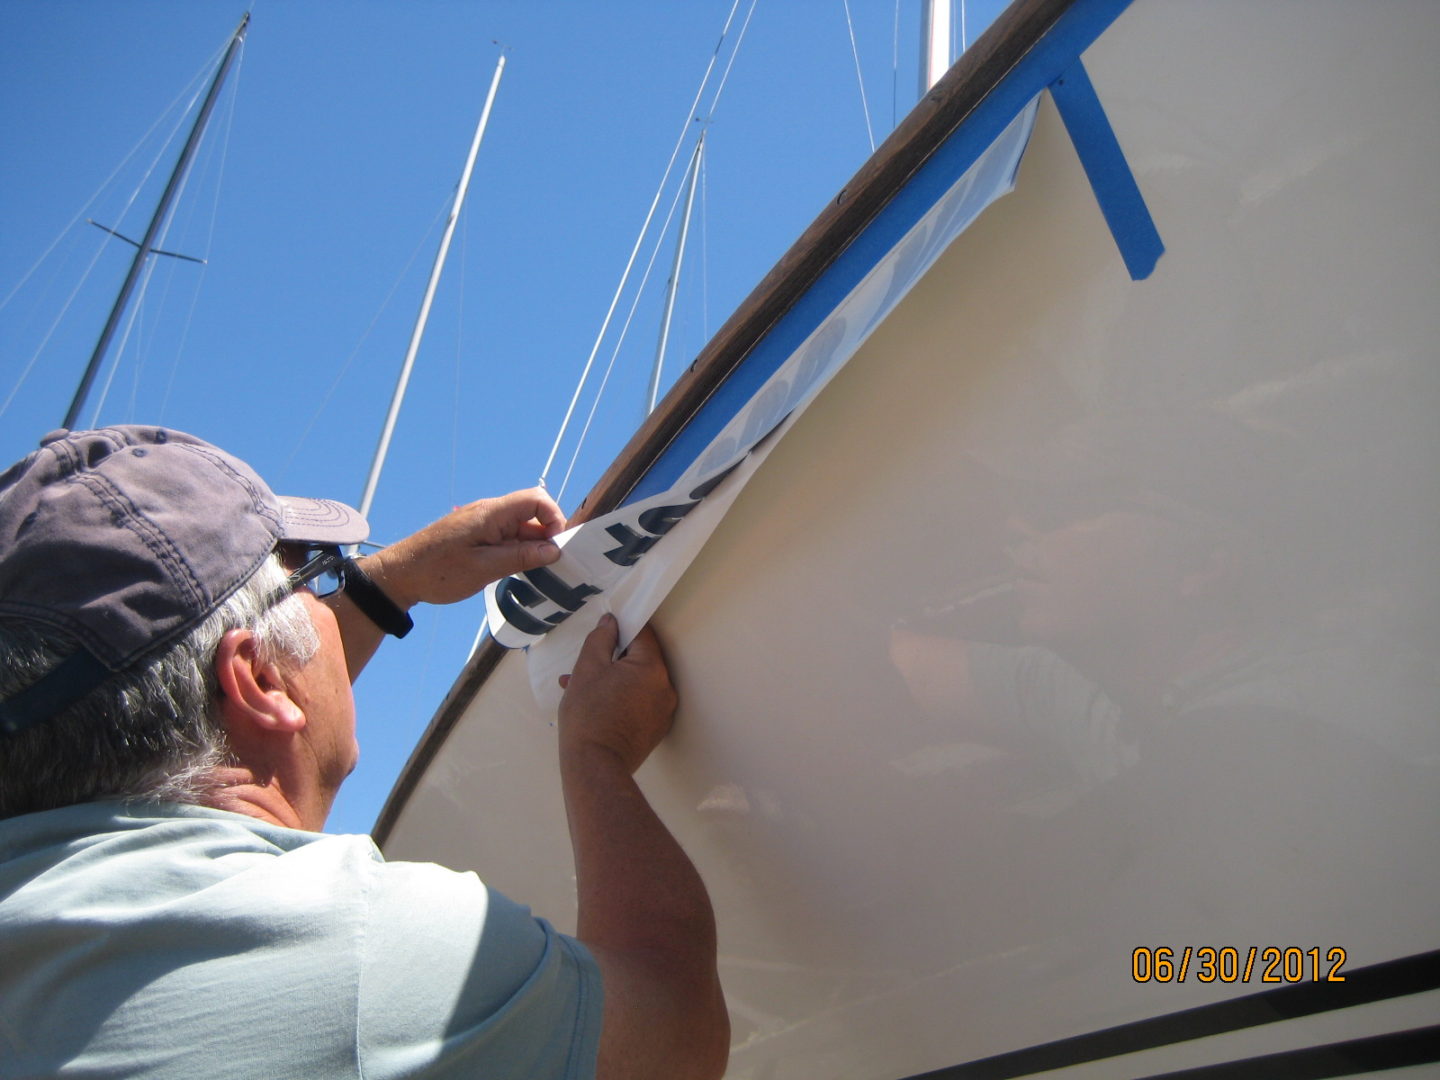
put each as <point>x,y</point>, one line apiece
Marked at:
<point>239,791</point>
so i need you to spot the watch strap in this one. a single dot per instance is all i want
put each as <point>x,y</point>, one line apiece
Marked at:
<point>371,599</point>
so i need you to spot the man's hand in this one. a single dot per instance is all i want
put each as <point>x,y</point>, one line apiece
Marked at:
<point>451,560</point>
<point>467,549</point>
<point>622,705</point>
<point>643,910</point>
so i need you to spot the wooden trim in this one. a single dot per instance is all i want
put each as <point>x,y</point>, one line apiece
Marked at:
<point>909,146</point>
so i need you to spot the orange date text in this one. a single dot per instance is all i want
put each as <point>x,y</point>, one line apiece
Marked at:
<point>1237,964</point>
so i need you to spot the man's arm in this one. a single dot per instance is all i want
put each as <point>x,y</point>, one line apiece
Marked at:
<point>643,910</point>
<point>452,559</point>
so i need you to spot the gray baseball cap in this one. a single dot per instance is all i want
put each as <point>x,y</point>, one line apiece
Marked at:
<point>127,537</point>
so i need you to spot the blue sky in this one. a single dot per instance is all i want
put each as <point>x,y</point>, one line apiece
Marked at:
<point>329,165</point>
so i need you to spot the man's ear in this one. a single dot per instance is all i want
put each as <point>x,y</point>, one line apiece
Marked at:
<point>253,691</point>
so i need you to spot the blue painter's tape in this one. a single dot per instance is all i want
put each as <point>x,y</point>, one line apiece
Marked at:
<point>1052,56</point>
<point>1110,177</point>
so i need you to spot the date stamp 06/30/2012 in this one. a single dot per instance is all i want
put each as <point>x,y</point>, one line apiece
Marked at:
<point>1229,964</point>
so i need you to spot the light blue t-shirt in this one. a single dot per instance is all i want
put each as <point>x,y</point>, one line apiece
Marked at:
<point>156,940</point>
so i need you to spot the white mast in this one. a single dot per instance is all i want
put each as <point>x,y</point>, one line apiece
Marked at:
<point>934,43</point>
<point>674,283</point>
<point>384,446</point>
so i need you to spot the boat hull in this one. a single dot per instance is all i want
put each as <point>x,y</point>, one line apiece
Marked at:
<point>1079,618</point>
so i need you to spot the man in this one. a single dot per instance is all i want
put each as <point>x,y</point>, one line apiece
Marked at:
<point>175,720</point>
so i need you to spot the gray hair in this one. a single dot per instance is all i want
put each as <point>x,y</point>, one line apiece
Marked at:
<point>150,733</point>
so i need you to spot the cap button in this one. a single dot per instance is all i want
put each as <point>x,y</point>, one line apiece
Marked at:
<point>55,436</point>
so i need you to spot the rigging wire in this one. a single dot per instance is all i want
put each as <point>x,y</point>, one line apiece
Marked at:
<point>57,277</point>
<point>705,120</point>
<point>142,290</point>
<point>44,341</point>
<point>639,241</point>
<point>725,75</point>
<point>138,370</point>
<point>705,248</point>
<point>443,209</point>
<point>672,285</point>
<point>234,96</point>
<point>859,77</point>
<point>459,355</point>
<point>146,340</point>
<point>895,69</point>
<point>624,331</point>
<point>130,318</point>
<point>194,88</point>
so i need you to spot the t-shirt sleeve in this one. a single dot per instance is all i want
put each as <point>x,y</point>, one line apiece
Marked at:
<point>458,980</point>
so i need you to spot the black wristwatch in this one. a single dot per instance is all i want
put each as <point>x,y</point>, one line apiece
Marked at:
<point>371,599</point>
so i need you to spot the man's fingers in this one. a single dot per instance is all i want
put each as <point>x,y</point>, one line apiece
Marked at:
<point>533,553</point>
<point>645,648</point>
<point>599,647</point>
<point>536,530</point>
<point>520,515</point>
<point>491,562</point>
<point>536,504</point>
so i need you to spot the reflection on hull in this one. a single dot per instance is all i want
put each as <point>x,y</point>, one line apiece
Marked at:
<point>1112,629</point>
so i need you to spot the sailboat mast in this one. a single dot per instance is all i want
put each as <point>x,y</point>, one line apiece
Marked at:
<point>934,43</point>
<point>157,223</point>
<point>674,283</point>
<point>398,397</point>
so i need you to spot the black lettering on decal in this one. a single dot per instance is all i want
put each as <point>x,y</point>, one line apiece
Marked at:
<point>661,519</point>
<point>632,545</point>
<point>513,597</point>
<point>570,597</point>
<point>714,482</point>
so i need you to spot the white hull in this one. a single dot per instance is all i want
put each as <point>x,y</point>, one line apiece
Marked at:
<point>898,887</point>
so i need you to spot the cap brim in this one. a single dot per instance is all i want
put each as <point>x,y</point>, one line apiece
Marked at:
<point>321,521</point>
